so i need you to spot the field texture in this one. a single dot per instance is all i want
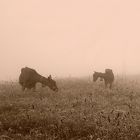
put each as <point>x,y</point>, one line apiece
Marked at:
<point>80,110</point>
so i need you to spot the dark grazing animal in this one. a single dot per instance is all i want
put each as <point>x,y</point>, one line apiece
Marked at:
<point>29,77</point>
<point>108,77</point>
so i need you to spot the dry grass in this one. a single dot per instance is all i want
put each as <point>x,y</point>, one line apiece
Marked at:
<point>80,110</point>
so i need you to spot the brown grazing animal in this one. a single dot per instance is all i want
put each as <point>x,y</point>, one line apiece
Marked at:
<point>108,77</point>
<point>29,77</point>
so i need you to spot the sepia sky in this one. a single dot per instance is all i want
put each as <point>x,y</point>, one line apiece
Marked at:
<point>69,37</point>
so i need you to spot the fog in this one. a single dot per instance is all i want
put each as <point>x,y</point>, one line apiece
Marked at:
<point>69,38</point>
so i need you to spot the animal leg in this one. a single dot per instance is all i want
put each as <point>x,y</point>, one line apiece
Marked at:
<point>23,88</point>
<point>33,88</point>
<point>105,84</point>
<point>110,85</point>
<point>43,85</point>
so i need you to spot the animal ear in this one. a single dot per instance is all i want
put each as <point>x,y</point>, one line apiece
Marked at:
<point>50,77</point>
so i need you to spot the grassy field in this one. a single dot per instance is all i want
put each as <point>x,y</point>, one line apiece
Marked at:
<point>81,110</point>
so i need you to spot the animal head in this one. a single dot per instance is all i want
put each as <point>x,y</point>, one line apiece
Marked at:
<point>50,83</point>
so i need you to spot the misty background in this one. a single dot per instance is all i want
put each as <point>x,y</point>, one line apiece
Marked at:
<point>69,38</point>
